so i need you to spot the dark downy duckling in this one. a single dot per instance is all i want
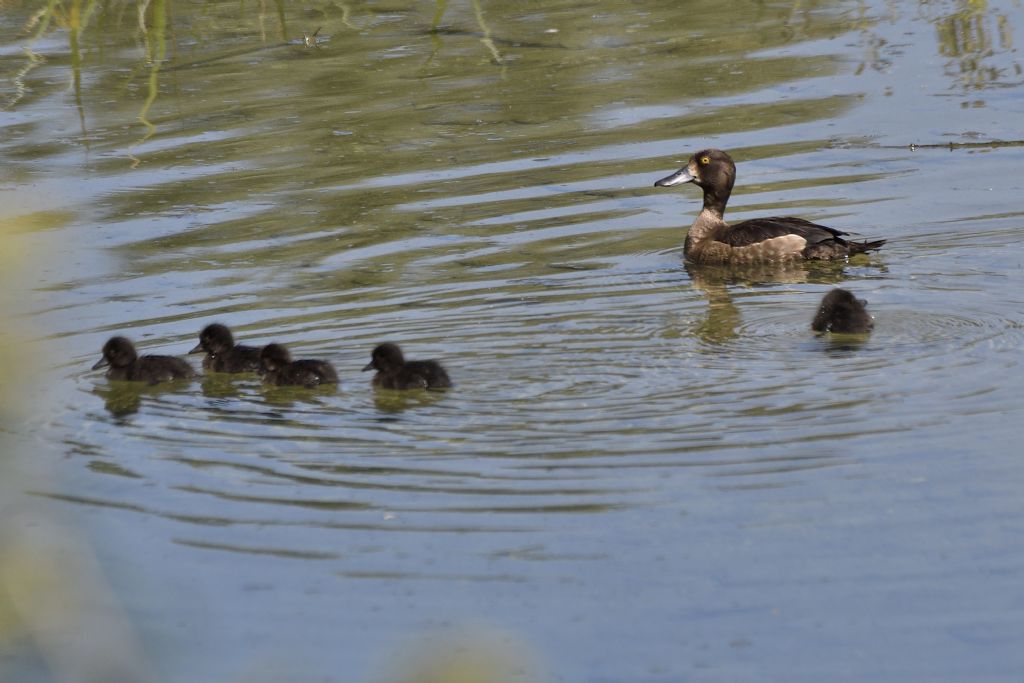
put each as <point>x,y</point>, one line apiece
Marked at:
<point>394,372</point>
<point>841,312</point>
<point>126,364</point>
<point>277,367</point>
<point>712,240</point>
<point>222,354</point>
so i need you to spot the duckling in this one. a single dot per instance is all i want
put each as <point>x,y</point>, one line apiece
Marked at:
<point>277,367</point>
<point>394,372</point>
<point>222,354</point>
<point>712,240</point>
<point>840,311</point>
<point>126,364</point>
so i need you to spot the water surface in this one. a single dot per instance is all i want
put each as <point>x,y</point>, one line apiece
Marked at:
<point>647,471</point>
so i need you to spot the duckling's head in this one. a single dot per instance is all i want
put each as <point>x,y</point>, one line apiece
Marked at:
<point>118,352</point>
<point>385,357</point>
<point>840,311</point>
<point>214,339</point>
<point>710,169</point>
<point>273,357</point>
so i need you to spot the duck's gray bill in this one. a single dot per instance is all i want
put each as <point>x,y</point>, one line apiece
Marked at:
<point>199,348</point>
<point>369,366</point>
<point>678,178</point>
<point>101,363</point>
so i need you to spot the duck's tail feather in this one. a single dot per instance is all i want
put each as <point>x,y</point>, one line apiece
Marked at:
<point>861,247</point>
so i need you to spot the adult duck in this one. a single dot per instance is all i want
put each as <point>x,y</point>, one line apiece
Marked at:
<point>712,240</point>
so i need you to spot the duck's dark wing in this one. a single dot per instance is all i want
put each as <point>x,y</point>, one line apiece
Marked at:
<point>154,369</point>
<point>427,374</point>
<point>311,373</point>
<point>758,230</point>
<point>238,359</point>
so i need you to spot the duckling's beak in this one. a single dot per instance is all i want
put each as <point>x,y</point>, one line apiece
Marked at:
<point>369,366</point>
<point>101,363</point>
<point>678,178</point>
<point>198,349</point>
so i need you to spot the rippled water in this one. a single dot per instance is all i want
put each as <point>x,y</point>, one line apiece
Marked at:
<point>647,470</point>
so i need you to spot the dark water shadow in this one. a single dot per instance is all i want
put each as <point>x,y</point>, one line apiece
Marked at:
<point>723,319</point>
<point>289,396</point>
<point>126,398</point>
<point>394,402</point>
<point>218,385</point>
<point>841,345</point>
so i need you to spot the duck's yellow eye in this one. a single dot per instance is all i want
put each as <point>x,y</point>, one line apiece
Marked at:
<point>704,161</point>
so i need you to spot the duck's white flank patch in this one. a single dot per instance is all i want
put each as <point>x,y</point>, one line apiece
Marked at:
<point>781,247</point>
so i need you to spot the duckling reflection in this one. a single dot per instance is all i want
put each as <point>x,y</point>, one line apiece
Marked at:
<point>394,402</point>
<point>221,386</point>
<point>124,363</point>
<point>277,367</point>
<point>281,398</point>
<point>121,399</point>
<point>842,313</point>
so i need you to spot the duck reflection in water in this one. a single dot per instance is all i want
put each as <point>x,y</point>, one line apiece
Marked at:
<point>722,321</point>
<point>391,403</point>
<point>123,399</point>
<point>218,386</point>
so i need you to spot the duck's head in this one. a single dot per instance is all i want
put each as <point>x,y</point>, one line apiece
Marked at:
<point>274,357</point>
<point>215,338</point>
<point>118,352</point>
<point>385,357</point>
<point>710,169</point>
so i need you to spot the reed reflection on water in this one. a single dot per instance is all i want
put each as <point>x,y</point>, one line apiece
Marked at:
<point>647,470</point>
